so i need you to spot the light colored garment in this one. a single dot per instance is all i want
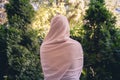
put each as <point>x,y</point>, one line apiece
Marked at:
<point>61,57</point>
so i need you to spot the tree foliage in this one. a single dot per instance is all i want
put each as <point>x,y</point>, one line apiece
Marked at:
<point>20,13</point>
<point>73,11</point>
<point>22,44</point>
<point>23,55</point>
<point>3,53</point>
<point>99,43</point>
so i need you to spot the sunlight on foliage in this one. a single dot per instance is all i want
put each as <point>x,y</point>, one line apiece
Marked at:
<point>73,11</point>
<point>43,16</point>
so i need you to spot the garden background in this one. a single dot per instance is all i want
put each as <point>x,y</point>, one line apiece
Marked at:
<point>28,21</point>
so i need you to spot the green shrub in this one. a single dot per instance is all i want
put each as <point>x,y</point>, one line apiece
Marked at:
<point>22,43</point>
<point>100,43</point>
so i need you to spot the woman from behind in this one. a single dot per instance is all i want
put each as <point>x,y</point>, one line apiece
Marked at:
<point>61,57</point>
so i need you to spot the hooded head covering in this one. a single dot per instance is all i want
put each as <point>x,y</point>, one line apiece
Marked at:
<point>59,30</point>
<point>59,53</point>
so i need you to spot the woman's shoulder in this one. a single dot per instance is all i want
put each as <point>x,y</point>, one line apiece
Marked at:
<point>75,42</point>
<point>76,47</point>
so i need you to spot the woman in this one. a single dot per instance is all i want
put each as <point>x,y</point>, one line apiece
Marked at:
<point>61,56</point>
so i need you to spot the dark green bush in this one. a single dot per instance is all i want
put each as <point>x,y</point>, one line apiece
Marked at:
<point>20,44</point>
<point>100,43</point>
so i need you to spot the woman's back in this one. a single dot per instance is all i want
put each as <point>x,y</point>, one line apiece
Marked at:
<point>61,56</point>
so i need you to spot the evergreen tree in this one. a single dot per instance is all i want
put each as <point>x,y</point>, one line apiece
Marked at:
<point>3,52</point>
<point>22,42</point>
<point>20,13</point>
<point>98,43</point>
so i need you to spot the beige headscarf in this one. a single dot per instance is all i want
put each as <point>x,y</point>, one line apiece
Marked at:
<point>59,53</point>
